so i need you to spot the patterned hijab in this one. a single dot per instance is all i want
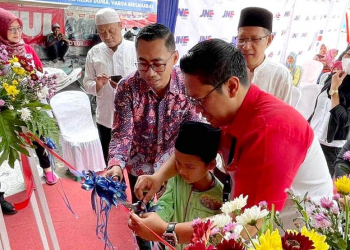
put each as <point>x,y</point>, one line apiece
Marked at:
<point>292,67</point>
<point>329,59</point>
<point>6,19</point>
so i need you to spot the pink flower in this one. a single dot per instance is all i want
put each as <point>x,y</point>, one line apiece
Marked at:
<point>310,210</point>
<point>335,210</point>
<point>2,102</point>
<point>229,227</point>
<point>346,156</point>
<point>322,221</point>
<point>336,197</point>
<point>263,204</point>
<point>214,231</point>
<point>326,203</point>
<point>195,222</point>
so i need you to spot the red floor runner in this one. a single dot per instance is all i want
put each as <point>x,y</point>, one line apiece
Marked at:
<point>71,233</point>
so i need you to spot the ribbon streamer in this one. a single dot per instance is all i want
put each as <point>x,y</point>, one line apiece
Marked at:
<point>110,193</point>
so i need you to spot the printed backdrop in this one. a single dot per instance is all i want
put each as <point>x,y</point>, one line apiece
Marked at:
<point>298,25</point>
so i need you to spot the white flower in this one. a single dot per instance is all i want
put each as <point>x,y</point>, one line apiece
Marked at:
<point>44,92</point>
<point>26,102</point>
<point>38,108</point>
<point>238,229</point>
<point>251,215</point>
<point>10,107</point>
<point>236,204</point>
<point>25,114</point>
<point>221,220</point>
<point>16,65</point>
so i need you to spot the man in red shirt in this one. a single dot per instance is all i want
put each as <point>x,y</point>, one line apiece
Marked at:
<point>272,146</point>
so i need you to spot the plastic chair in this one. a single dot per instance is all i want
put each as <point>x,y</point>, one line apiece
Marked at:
<point>296,95</point>
<point>311,71</point>
<point>323,78</point>
<point>79,137</point>
<point>307,101</point>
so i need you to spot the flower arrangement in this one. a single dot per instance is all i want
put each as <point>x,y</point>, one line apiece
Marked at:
<point>22,87</point>
<point>325,225</point>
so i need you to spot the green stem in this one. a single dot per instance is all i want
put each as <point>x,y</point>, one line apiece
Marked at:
<point>346,220</point>
<point>250,238</point>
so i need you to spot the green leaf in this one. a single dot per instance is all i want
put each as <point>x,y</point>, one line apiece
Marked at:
<point>346,169</point>
<point>10,144</point>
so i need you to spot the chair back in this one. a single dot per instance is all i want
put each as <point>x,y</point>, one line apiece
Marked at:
<point>308,98</point>
<point>311,71</point>
<point>73,113</point>
<point>323,78</point>
<point>296,95</point>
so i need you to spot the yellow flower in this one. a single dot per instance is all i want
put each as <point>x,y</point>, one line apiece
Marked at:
<point>343,185</point>
<point>15,70</point>
<point>12,90</point>
<point>5,85</point>
<point>269,241</point>
<point>13,60</point>
<point>14,82</point>
<point>21,71</point>
<point>317,239</point>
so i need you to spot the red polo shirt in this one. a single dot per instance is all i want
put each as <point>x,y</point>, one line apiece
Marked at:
<point>272,143</point>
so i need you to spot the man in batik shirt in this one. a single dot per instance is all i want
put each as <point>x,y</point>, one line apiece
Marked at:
<point>150,106</point>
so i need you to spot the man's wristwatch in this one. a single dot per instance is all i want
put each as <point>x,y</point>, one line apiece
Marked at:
<point>332,92</point>
<point>170,235</point>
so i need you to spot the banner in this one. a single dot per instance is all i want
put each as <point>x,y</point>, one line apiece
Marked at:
<point>36,21</point>
<point>132,5</point>
<point>298,25</point>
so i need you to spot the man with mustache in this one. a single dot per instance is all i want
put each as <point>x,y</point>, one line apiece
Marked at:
<point>254,36</point>
<point>113,57</point>
<point>150,106</point>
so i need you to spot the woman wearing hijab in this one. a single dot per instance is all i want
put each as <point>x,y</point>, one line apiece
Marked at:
<point>293,68</point>
<point>11,36</point>
<point>329,60</point>
<point>321,54</point>
<point>331,117</point>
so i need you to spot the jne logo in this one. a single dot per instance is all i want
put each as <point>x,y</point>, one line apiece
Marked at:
<point>182,40</point>
<point>183,12</point>
<point>304,34</point>
<point>204,38</point>
<point>207,13</point>
<point>228,14</point>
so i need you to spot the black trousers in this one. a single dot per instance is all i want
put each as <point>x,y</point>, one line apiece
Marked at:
<point>105,138</point>
<point>58,50</point>
<point>43,158</point>
<point>331,155</point>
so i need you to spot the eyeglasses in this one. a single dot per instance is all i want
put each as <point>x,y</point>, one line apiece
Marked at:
<point>241,41</point>
<point>13,30</point>
<point>199,102</point>
<point>157,67</point>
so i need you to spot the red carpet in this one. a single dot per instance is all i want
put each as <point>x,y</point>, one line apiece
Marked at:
<point>72,233</point>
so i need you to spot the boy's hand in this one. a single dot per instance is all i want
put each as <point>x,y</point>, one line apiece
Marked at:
<point>151,220</point>
<point>149,183</point>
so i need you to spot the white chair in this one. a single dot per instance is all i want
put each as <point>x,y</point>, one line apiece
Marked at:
<point>296,95</point>
<point>311,71</point>
<point>307,101</point>
<point>323,78</point>
<point>79,137</point>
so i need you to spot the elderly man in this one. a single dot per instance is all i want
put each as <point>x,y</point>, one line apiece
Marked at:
<point>113,57</point>
<point>57,43</point>
<point>254,36</point>
<point>271,147</point>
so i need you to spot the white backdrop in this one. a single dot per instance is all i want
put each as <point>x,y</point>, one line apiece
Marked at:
<point>299,25</point>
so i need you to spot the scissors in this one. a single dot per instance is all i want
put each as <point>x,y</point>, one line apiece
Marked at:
<point>138,207</point>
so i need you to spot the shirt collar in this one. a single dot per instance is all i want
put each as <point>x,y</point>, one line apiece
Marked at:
<point>245,112</point>
<point>261,66</point>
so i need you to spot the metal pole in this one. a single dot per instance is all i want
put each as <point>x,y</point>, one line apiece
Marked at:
<point>42,199</point>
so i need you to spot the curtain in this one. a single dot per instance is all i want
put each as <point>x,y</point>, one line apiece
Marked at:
<point>167,13</point>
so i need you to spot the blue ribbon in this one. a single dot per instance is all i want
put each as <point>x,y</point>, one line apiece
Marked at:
<point>110,193</point>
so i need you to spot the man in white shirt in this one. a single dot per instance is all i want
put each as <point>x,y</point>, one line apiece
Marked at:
<point>113,57</point>
<point>254,36</point>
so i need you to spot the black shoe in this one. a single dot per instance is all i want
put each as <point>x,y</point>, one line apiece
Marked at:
<point>6,207</point>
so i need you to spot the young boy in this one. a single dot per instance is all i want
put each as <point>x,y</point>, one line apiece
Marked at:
<point>195,192</point>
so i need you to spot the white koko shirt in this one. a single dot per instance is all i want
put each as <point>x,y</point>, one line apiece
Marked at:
<point>273,78</point>
<point>101,59</point>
